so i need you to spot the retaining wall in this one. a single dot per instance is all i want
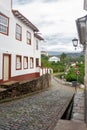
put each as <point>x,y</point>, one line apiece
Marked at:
<point>13,89</point>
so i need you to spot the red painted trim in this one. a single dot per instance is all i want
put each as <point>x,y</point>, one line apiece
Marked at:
<point>1,81</point>
<point>9,66</point>
<point>37,62</point>
<point>20,32</point>
<point>20,61</point>
<point>37,44</point>
<point>27,62</point>
<point>7,26</point>
<point>31,58</point>
<point>23,77</point>
<point>28,40</point>
<point>25,20</point>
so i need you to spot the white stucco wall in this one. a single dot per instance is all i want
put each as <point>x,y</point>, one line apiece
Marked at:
<point>9,44</point>
<point>6,4</point>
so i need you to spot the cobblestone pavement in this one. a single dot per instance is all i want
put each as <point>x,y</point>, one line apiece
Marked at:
<point>36,112</point>
<point>77,121</point>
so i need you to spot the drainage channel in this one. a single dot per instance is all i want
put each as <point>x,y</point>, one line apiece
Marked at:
<point>68,112</point>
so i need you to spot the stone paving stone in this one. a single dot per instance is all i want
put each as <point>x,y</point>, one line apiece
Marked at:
<point>78,107</point>
<point>37,112</point>
<point>70,125</point>
<point>78,116</point>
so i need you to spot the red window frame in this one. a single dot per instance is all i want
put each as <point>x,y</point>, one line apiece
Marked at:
<point>36,44</point>
<point>37,62</point>
<point>4,24</point>
<point>18,34</point>
<point>18,65</point>
<point>31,62</point>
<point>25,64</point>
<point>28,38</point>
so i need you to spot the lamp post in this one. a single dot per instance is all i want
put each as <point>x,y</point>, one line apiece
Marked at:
<point>75,42</point>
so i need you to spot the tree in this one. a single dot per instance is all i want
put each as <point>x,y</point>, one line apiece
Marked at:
<point>72,74</point>
<point>63,57</point>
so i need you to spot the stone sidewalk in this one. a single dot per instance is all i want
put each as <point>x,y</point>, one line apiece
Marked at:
<point>78,113</point>
<point>70,125</point>
<point>77,121</point>
<point>37,112</point>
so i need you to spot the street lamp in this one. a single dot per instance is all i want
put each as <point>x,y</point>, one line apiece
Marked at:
<point>75,42</point>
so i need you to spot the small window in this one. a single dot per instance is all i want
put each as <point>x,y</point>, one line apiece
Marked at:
<point>4,24</point>
<point>37,62</point>
<point>28,38</point>
<point>31,62</point>
<point>18,32</point>
<point>36,44</point>
<point>18,62</point>
<point>25,62</point>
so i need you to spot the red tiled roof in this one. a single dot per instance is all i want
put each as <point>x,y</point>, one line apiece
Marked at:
<point>24,20</point>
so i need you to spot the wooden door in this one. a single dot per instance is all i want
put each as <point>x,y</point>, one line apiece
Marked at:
<point>6,67</point>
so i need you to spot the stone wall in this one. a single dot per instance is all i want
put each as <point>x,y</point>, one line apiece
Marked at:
<point>14,89</point>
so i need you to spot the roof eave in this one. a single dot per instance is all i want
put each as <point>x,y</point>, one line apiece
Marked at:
<point>38,36</point>
<point>80,23</point>
<point>25,20</point>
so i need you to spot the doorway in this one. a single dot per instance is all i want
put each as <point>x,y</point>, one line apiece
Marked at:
<point>6,67</point>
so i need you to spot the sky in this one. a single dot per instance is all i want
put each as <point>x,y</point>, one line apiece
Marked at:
<point>56,20</point>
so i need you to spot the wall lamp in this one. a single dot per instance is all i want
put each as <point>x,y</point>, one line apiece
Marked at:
<point>75,42</point>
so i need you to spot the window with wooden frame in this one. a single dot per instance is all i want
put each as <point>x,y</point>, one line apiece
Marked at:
<point>37,62</point>
<point>31,62</point>
<point>18,62</point>
<point>28,38</point>
<point>18,32</point>
<point>36,44</point>
<point>4,24</point>
<point>25,62</point>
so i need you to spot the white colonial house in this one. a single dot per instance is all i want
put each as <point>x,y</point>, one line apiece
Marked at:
<point>19,45</point>
<point>54,59</point>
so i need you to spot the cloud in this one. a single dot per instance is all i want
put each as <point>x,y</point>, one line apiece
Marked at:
<point>58,38</point>
<point>20,2</point>
<point>58,48</point>
<point>54,18</point>
<point>59,43</point>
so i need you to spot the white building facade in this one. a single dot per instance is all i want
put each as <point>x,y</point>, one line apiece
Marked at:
<point>82,33</point>
<point>54,59</point>
<point>19,45</point>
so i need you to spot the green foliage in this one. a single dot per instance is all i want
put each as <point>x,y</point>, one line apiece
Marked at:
<point>82,73</point>
<point>44,61</point>
<point>76,58</point>
<point>61,66</point>
<point>73,76</point>
<point>63,57</point>
<point>57,67</point>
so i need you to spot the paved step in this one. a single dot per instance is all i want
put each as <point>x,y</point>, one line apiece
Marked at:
<point>9,84</point>
<point>2,89</point>
<point>70,125</point>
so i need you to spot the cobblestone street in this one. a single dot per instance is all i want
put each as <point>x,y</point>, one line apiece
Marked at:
<point>36,112</point>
